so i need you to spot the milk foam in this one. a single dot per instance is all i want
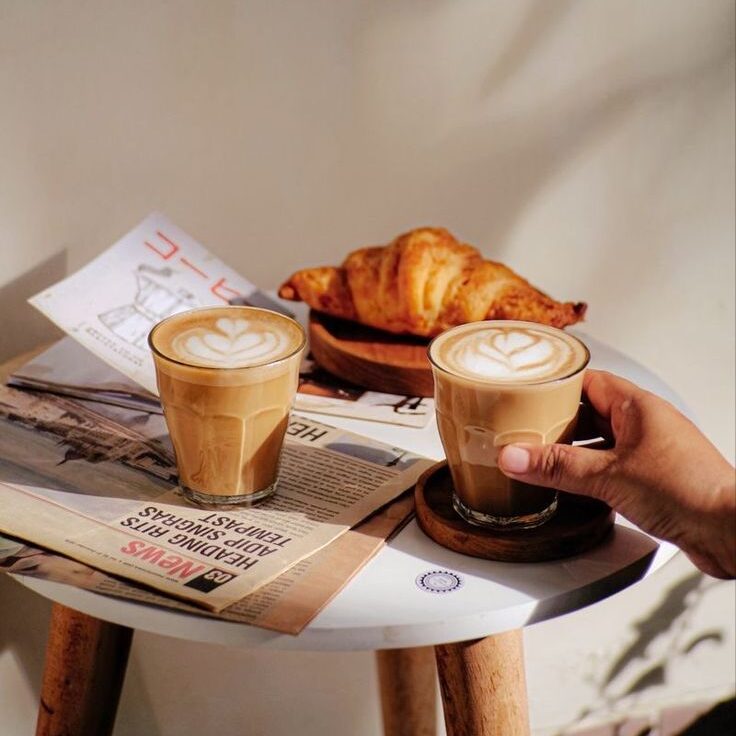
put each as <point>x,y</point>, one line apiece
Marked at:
<point>510,354</point>
<point>227,337</point>
<point>230,342</point>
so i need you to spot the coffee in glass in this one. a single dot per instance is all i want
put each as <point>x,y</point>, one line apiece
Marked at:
<point>227,377</point>
<point>499,382</point>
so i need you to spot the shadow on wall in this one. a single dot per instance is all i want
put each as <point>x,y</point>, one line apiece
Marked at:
<point>23,634</point>
<point>23,631</point>
<point>633,672</point>
<point>26,327</point>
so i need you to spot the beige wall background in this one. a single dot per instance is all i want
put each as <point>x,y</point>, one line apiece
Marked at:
<point>589,145</point>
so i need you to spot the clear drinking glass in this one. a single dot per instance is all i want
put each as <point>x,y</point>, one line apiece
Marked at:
<point>478,415</point>
<point>226,398</point>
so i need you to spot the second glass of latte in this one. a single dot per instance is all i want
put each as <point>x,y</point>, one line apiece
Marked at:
<point>496,383</point>
<point>227,377</point>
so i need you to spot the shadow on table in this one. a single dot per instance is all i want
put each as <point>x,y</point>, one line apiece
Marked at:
<point>557,586</point>
<point>620,560</point>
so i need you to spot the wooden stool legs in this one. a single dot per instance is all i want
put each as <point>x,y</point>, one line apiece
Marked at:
<point>483,686</point>
<point>408,691</point>
<point>482,682</point>
<point>83,674</point>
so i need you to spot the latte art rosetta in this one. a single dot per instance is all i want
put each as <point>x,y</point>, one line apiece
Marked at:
<point>231,343</point>
<point>509,354</point>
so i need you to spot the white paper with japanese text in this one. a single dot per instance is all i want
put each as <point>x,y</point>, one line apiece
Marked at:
<point>152,272</point>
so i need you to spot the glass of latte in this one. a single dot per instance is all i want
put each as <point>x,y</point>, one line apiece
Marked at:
<point>498,382</point>
<point>227,377</point>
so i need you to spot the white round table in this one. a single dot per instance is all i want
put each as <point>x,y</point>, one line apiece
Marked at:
<point>415,593</point>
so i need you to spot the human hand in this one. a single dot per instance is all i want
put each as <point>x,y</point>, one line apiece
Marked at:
<point>659,471</point>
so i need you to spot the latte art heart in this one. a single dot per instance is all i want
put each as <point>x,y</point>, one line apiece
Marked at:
<point>514,352</point>
<point>231,327</point>
<point>231,343</point>
<point>510,353</point>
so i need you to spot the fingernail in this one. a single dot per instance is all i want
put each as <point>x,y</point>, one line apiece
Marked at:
<point>515,459</point>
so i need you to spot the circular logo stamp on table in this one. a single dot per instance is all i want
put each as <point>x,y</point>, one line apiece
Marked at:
<point>439,581</point>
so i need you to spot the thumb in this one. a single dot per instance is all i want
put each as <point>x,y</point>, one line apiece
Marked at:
<point>564,467</point>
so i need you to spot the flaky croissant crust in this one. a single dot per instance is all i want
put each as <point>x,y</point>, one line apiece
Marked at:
<point>422,283</point>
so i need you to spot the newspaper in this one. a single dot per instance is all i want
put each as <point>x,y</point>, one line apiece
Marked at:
<point>110,305</point>
<point>108,514</point>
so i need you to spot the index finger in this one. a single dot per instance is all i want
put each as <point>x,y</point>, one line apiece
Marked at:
<point>605,389</point>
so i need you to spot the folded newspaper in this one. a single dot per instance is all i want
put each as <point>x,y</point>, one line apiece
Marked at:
<point>287,604</point>
<point>100,488</point>
<point>110,305</point>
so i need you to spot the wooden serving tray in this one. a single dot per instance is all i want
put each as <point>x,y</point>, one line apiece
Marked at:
<point>376,360</point>
<point>578,524</point>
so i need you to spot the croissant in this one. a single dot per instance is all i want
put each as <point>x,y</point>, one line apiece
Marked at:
<point>422,283</point>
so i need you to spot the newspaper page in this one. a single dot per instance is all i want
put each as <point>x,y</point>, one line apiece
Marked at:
<point>287,604</point>
<point>136,525</point>
<point>110,305</point>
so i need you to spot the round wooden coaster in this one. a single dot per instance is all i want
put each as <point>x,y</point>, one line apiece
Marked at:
<point>376,360</point>
<point>579,524</point>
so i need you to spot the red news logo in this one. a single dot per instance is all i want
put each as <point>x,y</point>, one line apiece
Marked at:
<point>175,565</point>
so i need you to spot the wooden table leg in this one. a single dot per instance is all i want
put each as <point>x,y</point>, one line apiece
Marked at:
<point>483,686</point>
<point>408,691</point>
<point>83,674</point>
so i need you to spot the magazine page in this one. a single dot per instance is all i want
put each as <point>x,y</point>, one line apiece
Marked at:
<point>322,393</point>
<point>110,305</point>
<point>69,369</point>
<point>152,272</point>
